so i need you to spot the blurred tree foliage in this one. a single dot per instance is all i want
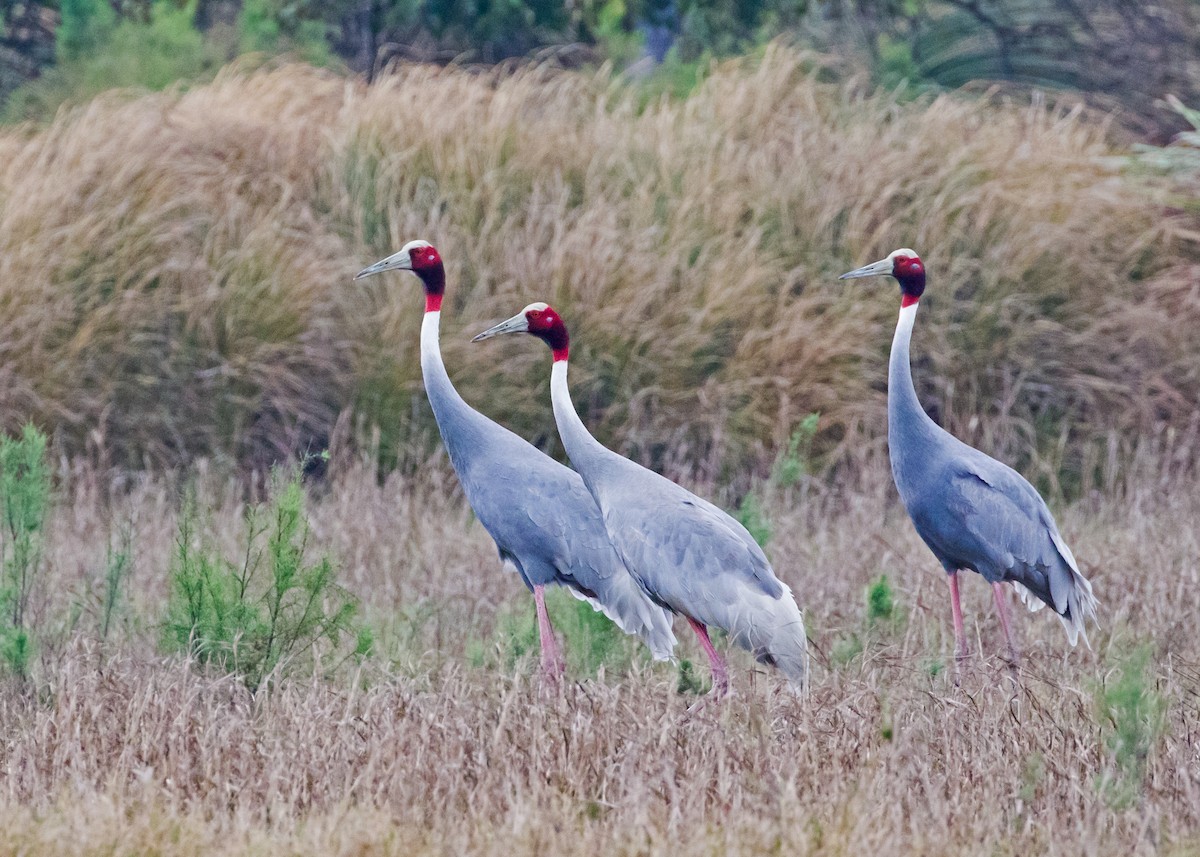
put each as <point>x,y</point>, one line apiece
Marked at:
<point>1124,54</point>
<point>145,43</point>
<point>26,41</point>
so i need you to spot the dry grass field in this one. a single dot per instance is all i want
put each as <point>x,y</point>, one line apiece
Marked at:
<point>175,269</point>
<point>175,298</point>
<point>438,744</point>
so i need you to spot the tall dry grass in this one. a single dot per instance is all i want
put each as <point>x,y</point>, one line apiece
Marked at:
<point>174,269</point>
<point>113,749</point>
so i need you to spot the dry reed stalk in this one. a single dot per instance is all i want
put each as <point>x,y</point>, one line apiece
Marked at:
<point>174,269</point>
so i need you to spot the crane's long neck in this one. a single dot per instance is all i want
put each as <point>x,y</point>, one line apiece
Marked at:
<point>451,412</point>
<point>584,450</point>
<point>908,423</point>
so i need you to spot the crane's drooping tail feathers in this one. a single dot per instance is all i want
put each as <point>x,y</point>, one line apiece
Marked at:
<point>633,613</point>
<point>630,611</point>
<point>1081,605</point>
<point>772,629</point>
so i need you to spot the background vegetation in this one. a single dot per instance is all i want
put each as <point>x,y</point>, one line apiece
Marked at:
<point>175,269</point>
<point>1121,54</point>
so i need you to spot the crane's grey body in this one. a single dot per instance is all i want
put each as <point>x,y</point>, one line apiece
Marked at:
<point>973,511</point>
<point>541,517</point>
<point>688,555</point>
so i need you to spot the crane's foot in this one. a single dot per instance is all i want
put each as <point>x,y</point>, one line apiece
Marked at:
<point>551,673</point>
<point>720,680</point>
<point>719,693</point>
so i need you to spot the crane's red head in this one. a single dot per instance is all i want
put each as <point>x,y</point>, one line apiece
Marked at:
<point>905,265</point>
<point>540,320</point>
<point>423,259</point>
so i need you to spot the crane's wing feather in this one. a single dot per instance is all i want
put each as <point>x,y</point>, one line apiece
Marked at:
<point>695,559</point>
<point>543,519</point>
<point>1011,516</point>
<point>679,543</point>
<point>1009,525</point>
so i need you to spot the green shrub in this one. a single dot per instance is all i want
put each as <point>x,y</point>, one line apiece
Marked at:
<point>750,514</point>
<point>795,462</point>
<point>690,681</point>
<point>84,27</point>
<point>847,648</point>
<point>117,565</point>
<point>273,612</point>
<point>720,27</point>
<point>273,27</point>
<point>24,501</point>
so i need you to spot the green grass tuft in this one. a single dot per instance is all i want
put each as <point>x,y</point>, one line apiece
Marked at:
<point>25,493</point>
<point>589,639</point>
<point>1132,714</point>
<point>275,611</point>
<point>880,602</point>
<point>750,515</point>
<point>689,679</point>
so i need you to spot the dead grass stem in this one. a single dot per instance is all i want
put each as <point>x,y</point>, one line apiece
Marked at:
<point>174,269</point>
<point>115,749</point>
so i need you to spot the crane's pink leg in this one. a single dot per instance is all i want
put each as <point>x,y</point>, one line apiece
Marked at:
<point>961,652</point>
<point>720,675</point>
<point>1002,609</point>
<point>552,662</point>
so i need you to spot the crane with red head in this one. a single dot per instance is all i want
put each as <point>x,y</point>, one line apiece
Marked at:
<point>973,512</point>
<point>688,556</point>
<point>537,511</point>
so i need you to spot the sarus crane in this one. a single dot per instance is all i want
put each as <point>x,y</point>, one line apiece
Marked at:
<point>972,511</point>
<point>688,555</point>
<point>543,520</point>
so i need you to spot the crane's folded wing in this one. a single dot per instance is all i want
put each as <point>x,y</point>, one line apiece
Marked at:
<point>687,546</point>
<point>1008,515</point>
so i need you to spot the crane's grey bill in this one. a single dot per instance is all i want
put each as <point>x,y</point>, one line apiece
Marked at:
<point>875,269</point>
<point>396,262</point>
<point>517,324</point>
